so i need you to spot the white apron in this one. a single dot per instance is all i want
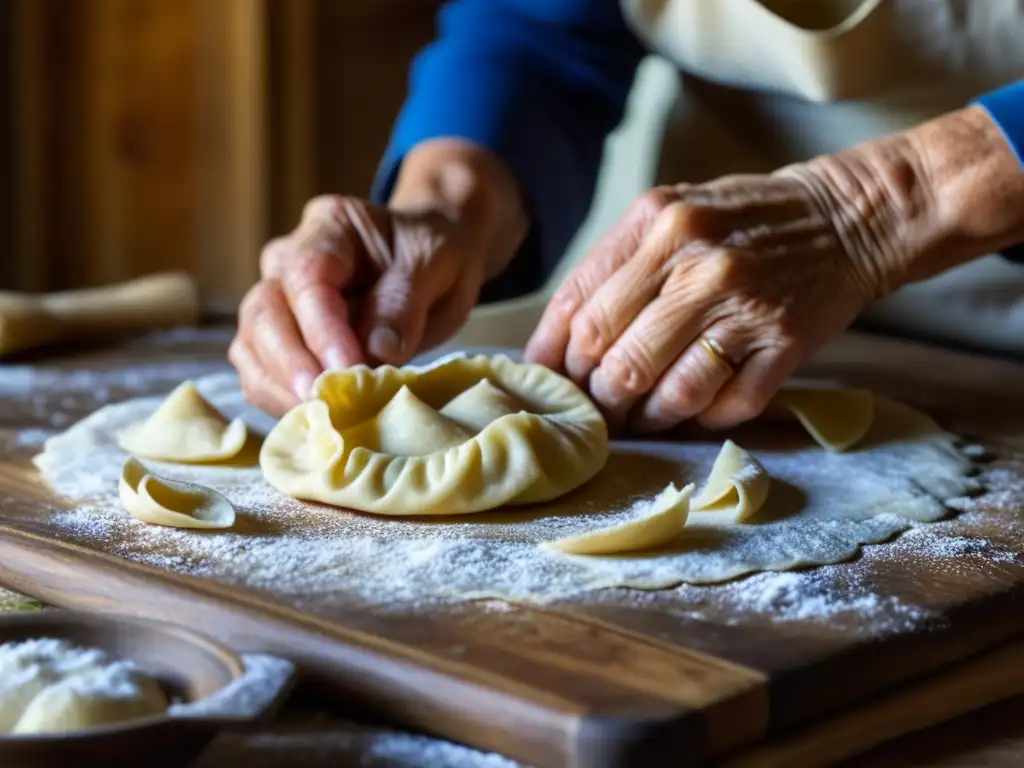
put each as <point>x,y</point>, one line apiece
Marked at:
<point>769,82</point>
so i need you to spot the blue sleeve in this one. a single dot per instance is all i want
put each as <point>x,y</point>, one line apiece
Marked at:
<point>1006,108</point>
<point>540,83</point>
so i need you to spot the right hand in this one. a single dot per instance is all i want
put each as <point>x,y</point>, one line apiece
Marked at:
<point>354,283</point>
<point>357,283</point>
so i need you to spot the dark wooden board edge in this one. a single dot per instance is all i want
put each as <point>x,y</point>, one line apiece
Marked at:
<point>457,701</point>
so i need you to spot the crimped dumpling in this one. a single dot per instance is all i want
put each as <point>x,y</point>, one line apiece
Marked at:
<point>468,435</point>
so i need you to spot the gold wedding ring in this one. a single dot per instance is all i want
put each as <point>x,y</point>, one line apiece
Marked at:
<point>716,353</point>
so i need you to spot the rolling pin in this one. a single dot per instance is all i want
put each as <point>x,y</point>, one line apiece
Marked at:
<point>145,304</point>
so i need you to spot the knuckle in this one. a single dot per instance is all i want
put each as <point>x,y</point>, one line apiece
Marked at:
<point>260,300</point>
<point>566,300</point>
<point>629,370</point>
<point>727,270</point>
<point>686,220</point>
<point>651,203</point>
<point>589,332</point>
<point>272,257</point>
<point>323,207</point>
<point>311,266</point>
<point>679,393</point>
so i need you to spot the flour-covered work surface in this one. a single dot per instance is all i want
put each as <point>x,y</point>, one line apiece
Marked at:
<point>822,507</point>
<point>908,522</point>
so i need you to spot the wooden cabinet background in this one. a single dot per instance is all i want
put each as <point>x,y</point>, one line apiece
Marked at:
<point>142,135</point>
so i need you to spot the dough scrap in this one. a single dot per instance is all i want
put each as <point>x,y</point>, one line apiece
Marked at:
<point>468,435</point>
<point>837,418</point>
<point>159,501</point>
<point>185,428</point>
<point>662,523</point>
<point>735,489</point>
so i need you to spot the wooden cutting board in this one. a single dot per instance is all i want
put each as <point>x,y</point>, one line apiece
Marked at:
<point>622,681</point>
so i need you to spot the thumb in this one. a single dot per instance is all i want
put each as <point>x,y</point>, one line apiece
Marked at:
<point>399,306</point>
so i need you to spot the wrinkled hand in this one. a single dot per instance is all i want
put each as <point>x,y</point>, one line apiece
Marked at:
<point>754,265</point>
<point>353,283</point>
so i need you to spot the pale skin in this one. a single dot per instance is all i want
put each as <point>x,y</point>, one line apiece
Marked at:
<point>767,268</point>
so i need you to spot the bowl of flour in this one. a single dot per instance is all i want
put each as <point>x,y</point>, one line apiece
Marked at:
<point>83,689</point>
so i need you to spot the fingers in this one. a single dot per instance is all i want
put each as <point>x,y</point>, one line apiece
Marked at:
<point>398,307</point>
<point>749,392</point>
<point>313,289</point>
<point>550,340</point>
<point>258,386</point>
<point>686,389</point>
<point>662,267</point>
<point>451,312</point>
<point>270,332</point>
<point>638,360</point>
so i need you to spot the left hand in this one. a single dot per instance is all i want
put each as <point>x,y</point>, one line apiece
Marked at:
<point>704,299</point>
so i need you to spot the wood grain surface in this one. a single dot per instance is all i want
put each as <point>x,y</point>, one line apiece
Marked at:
<point>623,679</point>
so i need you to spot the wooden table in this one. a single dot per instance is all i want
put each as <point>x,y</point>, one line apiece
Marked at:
<point>981,739</point>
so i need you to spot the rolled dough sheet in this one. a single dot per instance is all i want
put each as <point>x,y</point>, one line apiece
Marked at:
<point>822,507</point>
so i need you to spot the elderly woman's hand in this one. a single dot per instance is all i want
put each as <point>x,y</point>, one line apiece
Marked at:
<point>358,283</point>
<point>704,299</point>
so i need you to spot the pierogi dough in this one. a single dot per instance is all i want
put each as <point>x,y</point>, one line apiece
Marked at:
<point>659,525</point>
<point>159,501</point>
<point>187,429</point>
<point>468,435</point>
<point>738,485</point>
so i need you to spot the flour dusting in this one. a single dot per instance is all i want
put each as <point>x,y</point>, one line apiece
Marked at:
<point>250,695</point>
<point>822,507</point>
<point>321,741</point>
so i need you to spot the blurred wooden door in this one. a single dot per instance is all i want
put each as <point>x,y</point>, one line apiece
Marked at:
<point>160,134</point>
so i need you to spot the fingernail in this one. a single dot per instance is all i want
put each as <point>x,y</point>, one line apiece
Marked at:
<point>385,343</point>
<point>302,384</point>
<point>335,358</point>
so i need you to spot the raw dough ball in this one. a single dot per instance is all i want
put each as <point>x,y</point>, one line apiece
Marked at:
<point>468,435</point>
<point>18,686</point>
<point>26,668</point>
<point>159,501</point>
<point>185,428</point>
<point>736,488</point>
<point>661,524</point>
<point>101,696</point>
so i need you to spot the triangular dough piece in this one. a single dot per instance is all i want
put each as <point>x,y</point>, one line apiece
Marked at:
<point>480,405</point>
<point>663,522</point>
<point>406,426</point>
<point>836,418</point>
<point>736,488</point>
<point>159,501</point>
<point>185,428</point>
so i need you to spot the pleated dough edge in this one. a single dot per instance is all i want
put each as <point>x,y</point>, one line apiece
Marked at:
<point>520,458</point>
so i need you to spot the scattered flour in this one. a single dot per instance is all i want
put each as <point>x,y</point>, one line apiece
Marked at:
<point>248,696</point>
<point>324,742</point>
<point>332,557</point>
